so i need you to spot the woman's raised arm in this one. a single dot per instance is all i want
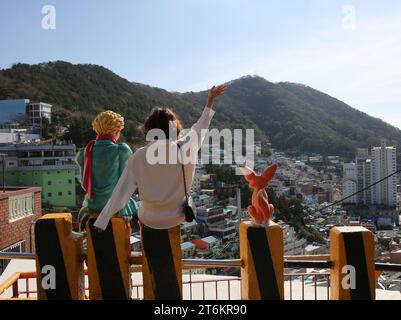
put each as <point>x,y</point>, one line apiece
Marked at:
<point>215,92</point>
<point>195,135</point>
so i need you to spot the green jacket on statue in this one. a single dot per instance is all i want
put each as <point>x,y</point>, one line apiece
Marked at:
<point>108,162</point>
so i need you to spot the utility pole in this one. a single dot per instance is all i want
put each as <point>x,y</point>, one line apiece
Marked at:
<point>3,156</point>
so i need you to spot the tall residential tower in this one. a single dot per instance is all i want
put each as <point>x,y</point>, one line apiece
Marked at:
<point>384,163</point>
<point>367,170</point>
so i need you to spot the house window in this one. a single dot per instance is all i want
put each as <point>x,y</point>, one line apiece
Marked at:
<point>49,194</point>
<point>69,193</point>
<point>49,183</point>
<point>70,181</point>
<point>60,193</point>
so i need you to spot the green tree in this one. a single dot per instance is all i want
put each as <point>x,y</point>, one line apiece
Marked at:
<point>80,131</point>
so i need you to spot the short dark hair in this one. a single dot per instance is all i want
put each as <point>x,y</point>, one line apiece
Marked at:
<point>159,118</point>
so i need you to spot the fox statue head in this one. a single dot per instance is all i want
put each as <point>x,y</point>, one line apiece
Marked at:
<point>261,210</point>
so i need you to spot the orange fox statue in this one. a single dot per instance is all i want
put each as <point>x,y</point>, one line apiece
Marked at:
<point>261,210</point>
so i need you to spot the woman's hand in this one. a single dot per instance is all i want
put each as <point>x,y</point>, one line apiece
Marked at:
<point>214,93</point>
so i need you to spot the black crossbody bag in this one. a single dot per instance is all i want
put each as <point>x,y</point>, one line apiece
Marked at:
<point>186,208</point>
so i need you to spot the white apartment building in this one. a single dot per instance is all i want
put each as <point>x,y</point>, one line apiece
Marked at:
<point>384,163</point>
<point>364,172</point>
<point>349,188</point>
<point>350,183</point>
<point>36,111</point>
<point>367,170</point>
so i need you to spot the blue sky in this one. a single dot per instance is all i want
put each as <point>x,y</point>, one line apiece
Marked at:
<point>183,45</point>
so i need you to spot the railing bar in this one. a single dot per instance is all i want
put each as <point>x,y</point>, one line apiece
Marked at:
<point>328,287</point>
<point>290,287</point>
<point>388,267</point>
<point>228,288</point>
<point>323,257</point>
<point>17,255</point>
<point>309,274</point>
<point>315,264</point>
<point>240,286</point>
<point>217,294</point>
<point>315,287</point>
<point>15,289</point>
<point>210,263</point>
<point>214,280</point>
<point>303,288</point>
<point>203,284</point>
<point>190,284</point>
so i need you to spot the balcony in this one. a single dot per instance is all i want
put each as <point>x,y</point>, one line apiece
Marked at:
<point>21,206</point>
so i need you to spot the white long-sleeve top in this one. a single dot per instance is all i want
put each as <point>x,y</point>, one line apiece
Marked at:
<point>160,185</point>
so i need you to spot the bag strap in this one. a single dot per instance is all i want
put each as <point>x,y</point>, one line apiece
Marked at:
<point>183,176</point>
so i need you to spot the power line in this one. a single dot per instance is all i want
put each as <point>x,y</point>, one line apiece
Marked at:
<point>358,192</point>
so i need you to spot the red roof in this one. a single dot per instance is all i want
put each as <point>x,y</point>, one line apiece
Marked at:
<point>200,244</point>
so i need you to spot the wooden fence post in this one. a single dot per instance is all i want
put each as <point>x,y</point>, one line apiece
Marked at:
<point>353,267</point>
<point>59,259</point>
<point>161,263</point>
<point>108,260</point>
<point>262,251</point>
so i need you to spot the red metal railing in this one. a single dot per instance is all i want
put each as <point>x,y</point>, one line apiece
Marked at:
<point>210,288</point>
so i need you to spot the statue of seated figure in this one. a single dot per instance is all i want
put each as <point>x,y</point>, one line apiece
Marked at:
<point>101,163</point>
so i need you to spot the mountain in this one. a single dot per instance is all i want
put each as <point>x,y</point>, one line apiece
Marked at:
<point>294,117</point>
